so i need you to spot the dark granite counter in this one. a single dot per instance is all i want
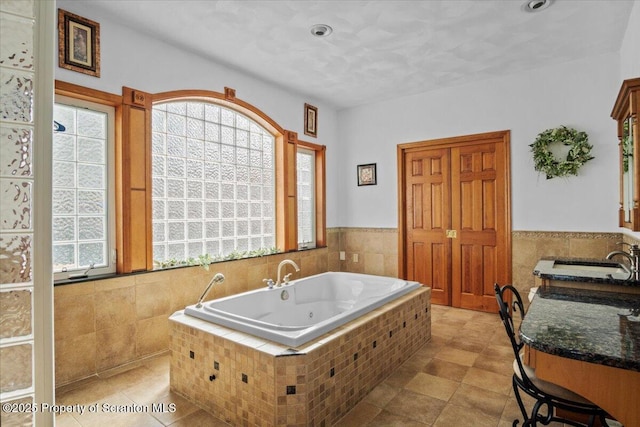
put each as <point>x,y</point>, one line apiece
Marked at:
<point>596,327</point>
<point>585,271</point>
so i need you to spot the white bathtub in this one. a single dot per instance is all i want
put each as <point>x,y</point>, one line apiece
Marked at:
<point>305,308</point>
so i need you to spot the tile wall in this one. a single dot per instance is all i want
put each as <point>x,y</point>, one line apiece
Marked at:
<point>105,324</point>
<point>17,80</point>
<point>249,381</point>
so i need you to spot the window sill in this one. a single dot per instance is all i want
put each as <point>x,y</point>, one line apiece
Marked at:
<point>96,277</point>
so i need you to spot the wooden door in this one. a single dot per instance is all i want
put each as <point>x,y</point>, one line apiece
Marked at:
<point>428,218</point>
<point>455,223</point>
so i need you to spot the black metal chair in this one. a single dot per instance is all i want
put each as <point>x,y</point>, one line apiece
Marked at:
<point>548,396</point>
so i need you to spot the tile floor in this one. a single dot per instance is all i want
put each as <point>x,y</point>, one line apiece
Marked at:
<point>462,377</point>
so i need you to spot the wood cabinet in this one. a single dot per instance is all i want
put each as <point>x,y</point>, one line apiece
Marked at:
<point>625,112</point>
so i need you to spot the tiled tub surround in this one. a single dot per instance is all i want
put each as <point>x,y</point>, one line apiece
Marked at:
<point>105,324</point>
<point>250,381</point>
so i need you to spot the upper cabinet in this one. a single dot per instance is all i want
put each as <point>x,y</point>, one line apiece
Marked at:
<point>625,112</point>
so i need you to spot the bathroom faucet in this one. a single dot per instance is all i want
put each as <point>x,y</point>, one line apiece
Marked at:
<point>282,264</point>
<point>633,256</point>
<point>218,278</point>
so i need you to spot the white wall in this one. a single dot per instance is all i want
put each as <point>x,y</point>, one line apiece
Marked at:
<point>132,59</point>
<point>630,50</point>
<point>577,94</point>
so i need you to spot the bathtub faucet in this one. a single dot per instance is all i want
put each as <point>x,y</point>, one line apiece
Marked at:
<point>218,278</point>
<point>282,264</point>
<point>633,256</point>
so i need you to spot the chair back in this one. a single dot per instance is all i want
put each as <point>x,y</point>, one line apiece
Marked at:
<point>506,315</point>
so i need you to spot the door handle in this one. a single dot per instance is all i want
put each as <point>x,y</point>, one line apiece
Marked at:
<point>451,234</point>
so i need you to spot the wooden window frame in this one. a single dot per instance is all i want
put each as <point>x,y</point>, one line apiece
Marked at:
<point>320,190</point>
<point>133,109</point>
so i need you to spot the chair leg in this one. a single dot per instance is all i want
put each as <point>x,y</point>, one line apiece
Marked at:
<point>516,391</point>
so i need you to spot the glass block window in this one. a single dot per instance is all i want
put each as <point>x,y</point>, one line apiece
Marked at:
<point>213,183</point>
<point>306,198</point>
<point>82,190</point>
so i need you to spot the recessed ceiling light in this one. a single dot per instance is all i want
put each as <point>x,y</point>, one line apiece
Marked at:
<point>536,5</point>
<point>321,30</point>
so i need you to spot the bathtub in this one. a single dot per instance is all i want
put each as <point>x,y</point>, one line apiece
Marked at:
<point>304,309</point>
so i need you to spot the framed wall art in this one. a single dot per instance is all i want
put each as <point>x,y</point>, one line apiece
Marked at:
<point>78,43</point>
<point>367,174</point>
<point>310,120</point>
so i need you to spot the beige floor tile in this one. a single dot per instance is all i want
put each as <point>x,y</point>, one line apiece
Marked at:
<point>511,411</point>
<point>149,390</point>
<point>172,407</point>
<point>417,362</point>
<point>454,355</point>
<point>418,407</point>
<point>444,369</point>
<point>430,385</point>
<point>381,395</point>
<point>453,415</point>
<point>487,380</point>
<point>117,411</point>
<point>495,351</point>
<point>400,377</point>
<point>464,342</point>
<point>387,419</point>
<point>468,396</point>
<point>92,392</point>
<point>460,314</point>
<point>199,418</point>
<point>362,414</point>
<point>445,331</point>
<point>497,365</point>
<point>66,420</point>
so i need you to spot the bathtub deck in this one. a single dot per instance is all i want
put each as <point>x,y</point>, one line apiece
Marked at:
<point>246,380</point>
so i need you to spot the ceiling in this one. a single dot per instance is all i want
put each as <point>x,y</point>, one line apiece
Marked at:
<point>378,49</point>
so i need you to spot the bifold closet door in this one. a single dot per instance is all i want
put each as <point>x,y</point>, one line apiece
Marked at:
<point>456,218</point>
<point>428,216</point>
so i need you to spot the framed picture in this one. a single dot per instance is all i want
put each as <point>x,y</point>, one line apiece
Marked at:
<point>78,43</point>
<point>367,174</point>
<point>310,120</point>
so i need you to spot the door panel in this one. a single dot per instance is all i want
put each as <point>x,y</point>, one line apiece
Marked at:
<point>459,184</point>
<point>474,211</point>
<point>427,218</point>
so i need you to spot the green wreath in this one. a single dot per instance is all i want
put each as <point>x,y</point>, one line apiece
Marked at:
<point>578,155</point>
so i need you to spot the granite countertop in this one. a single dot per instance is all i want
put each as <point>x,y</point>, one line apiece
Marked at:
<point>569,269</point>
<point>596,327</point>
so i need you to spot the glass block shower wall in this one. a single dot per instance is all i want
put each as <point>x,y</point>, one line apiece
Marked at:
<point>17,80</point>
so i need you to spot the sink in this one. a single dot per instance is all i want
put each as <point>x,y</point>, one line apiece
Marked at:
<point>604,268</point>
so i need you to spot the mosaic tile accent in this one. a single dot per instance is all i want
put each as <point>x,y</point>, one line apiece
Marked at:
<point>15,212</point>
<point>16,42</point>
<point>17,419</point>
<point>15,313</point>
<point>291,386</point>
<point>15,369</point>
<point>15,151</point>
<point>15,258</point>
<point>16,96</point>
